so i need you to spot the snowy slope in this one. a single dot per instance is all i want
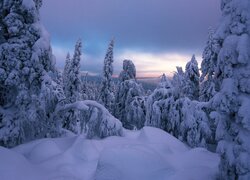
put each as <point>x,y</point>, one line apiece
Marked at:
<point>147,154</point>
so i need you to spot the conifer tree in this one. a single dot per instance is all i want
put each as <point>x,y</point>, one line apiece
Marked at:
<point>208,64</point>
<point>178,81</point>
<point>166,108</point>
<point>192,78</point>
<point>26,73</point>
<point>73,89</point>
<point>107,94</point>
<point>74,79</point>
<point>66,72</point>
<point>231,103</point>
<point>164,82</point>
<point>130,101</point>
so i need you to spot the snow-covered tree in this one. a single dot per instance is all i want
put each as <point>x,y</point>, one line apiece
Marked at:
<point>179,81</point>
<point>155,106</point>
<point>66,72</point>
<point>164,82</point>
<point>180,116</point>
<point>107,94</point>
<point>208,64</point>
<point>232,75</point>
<point>194,123</point>
<point>84,90</point>
<point>129,71</point>
<point>92,90</point>
<point>51,95</point>
<point>74,76</point>
<point>207,90</point>
<point>129,102</point>
<point>192,79</point>
<point>209,56</point>
<point>25,60</point>
<point>100,123</point>
<point>73,89</point>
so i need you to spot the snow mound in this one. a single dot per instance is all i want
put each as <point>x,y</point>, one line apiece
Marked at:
<point>146,154</point>
<point>132,162</point>
<point>157,136</point>
<point>41,151</point>
<point>14,166</point>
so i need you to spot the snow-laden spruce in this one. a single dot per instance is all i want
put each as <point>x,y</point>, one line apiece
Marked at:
<point>153,106</point>
<point>66,71</point>
<point>91,90</point>
<point>179,81</point>
<point>192,78</point>
<point>72,88</point>
<point>129,71</point>
<point>107,95</point>
<point>130,102</point>
<point>164,82</point>
<point>28,94</point>
<point>208,64</point>
<point>74,75</point>
<point>84,90</point>
<point>232,79</point>
<point>183,118</point>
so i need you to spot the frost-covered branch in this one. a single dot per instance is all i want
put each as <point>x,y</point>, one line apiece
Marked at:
<point>100,122</point>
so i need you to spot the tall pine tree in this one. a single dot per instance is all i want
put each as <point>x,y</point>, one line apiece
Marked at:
<point>208,64</point>
<point>232,79</point>
<point>192,78</point>
<point>107,94</point>
<point>65,77</point>
<point>74,76</point>
<point>72,88</point>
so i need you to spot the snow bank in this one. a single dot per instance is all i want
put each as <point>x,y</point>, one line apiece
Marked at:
<point>147,154</point>
<point>132,162</point>
<point>44,151</point>
<point>15,166</point>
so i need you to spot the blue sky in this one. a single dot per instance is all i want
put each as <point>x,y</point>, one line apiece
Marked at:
<point>156,34</point>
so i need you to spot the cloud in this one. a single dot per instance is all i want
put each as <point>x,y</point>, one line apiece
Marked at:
<point>155,25</point>
<point>89,63</point>
<point>156,34</point>
<point>155,64</point>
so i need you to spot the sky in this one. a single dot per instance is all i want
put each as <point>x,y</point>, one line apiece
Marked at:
<point>157,35</point>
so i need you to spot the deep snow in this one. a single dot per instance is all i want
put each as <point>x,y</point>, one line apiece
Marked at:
<point>146,154</point>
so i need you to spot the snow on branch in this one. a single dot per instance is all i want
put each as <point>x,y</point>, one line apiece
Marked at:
<point>100,123</point>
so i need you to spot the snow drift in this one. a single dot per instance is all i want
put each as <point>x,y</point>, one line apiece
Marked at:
<point>147,154</point>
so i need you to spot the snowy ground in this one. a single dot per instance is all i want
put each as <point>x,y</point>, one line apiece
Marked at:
<point>147,154</point>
